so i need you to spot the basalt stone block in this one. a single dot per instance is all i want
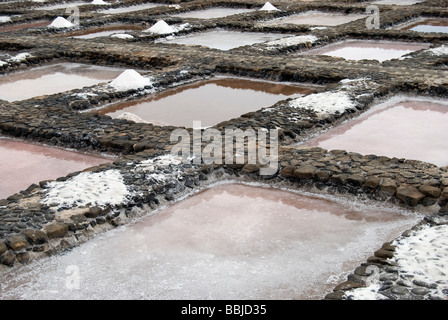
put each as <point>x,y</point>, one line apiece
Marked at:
<point>7,258</point>
<point>388,186</point>
<point>409,195</point>
<point>17,242</point>
<point>322,175</point>
<point>35,236</point>
<point>56,230</point>
<point>3,247</point>
<point>430,191</point>
<point>356,180</point>
<point>445,192</point>
<point>288,172</point>
<point>372,182</point>
<point>305,172</point>
<point>23,257</point>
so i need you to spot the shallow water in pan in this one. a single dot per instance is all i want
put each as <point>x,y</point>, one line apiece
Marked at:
<point>316,18</point>
<point>25,163</point>
<point>370,50</point>
<point>400,127</point>
<point>53,79</point>
<point>223,39</point>
<point>228,242</point>
<point>210,101</point>
<point>212,13</point>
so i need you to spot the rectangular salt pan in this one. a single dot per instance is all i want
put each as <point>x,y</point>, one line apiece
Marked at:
<point>25,163</point>
<point>212,13</point>
<point>369,50</point>
<point>407,128</point>
<point>210,102</point>
<point>131,8</point>
<point>53,79</point>
<point>225,40</point>
<point>316,18</point>
<point>228,242</point>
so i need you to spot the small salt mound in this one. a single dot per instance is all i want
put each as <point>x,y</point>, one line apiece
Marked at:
<point>2,63</point>
<point>4,19</point>
<point>161,27</point>
<point>20,57</point>
<point>291,41</point>
<point>439,51</point>
<point>327,102</point>
<point>269,7</point>
<point>130,80</point>
<point>99,2</point>
<point>60,23</point>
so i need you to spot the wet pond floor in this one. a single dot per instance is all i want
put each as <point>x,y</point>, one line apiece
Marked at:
<point>132,8</point>
<point>26,163</point>
<point>228,242</point>
<point>401,127</point>
<point>212,13</point>
<point>426,25</point>
<point>211,101</point>
<point>224,39</point>
<point>53,79</point>
<point>398,2</point>
<point>370,50</point>
<point>316,18</point>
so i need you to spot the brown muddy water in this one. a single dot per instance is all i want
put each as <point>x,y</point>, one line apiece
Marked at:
<point>229,242</point>
<point>401,127</point>
<point>211,101</point>
<point>53,79</point>
<point>368,49</point>
<point>22,26</point>
<point>224,39</point>
<point>26,163</point>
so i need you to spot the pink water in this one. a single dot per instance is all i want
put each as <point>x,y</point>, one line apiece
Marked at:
<point>53,79</point>
<point>228,242</point>
<point>371,50</point>
<point>210,101</point>
<point>24,164</point>
<point>411,129</point>
<point>317,18</point>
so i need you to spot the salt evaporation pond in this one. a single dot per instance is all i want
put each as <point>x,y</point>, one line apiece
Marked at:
<point>53,79</point>
<point>25,163</point>
<point>139,7</point>
<point>105,33</point>
<point>316,18</point>
<point>211,101</point>
<point>398,2</point>
<point>212,13</point>
<point>228,242</point>
<point>21,26</point>
<point>368,49</point>
<point>401,127</point>
<point>224,39</point>
<point>427,25</point>
<point>62,6</point>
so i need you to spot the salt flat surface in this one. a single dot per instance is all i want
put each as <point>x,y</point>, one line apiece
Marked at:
<point>229,242</point>
<point>62,6</point>
<point>107,33</point>
<point>401,127</point>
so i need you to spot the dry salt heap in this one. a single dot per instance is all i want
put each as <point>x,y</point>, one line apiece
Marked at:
<point>161,27</point>
<point>130,80</point>
<point>60,23</point>
<point>269,7</point>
